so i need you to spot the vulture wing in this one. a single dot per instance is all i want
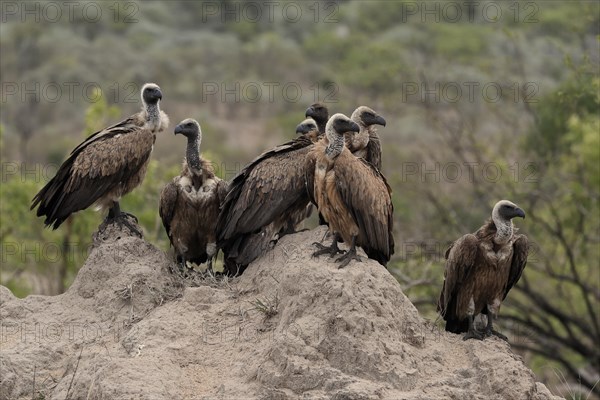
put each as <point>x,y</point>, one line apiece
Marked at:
<point>264,190</point>
<point>367,196</point>
<point>460,260</point>
<point>519,260</point>
<point>168,204</point>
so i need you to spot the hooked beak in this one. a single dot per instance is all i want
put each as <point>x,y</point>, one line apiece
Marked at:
<point>380,121</point>
<point>310,112</point>
<point>519,213</point>
<point>178,129</point>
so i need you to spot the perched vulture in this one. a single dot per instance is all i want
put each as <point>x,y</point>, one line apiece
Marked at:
<point>266,199</point>
<point>366,144</point>
<point>320,114</point>
<point>189,204</point>
<point>351,194</point>
<point>480,270</point>
<point>106,166</point>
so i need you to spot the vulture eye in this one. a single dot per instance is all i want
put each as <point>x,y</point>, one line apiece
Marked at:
<point>189,124</point>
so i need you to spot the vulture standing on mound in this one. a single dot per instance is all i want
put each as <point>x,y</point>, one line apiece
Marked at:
<point>320,114</point>
<point>267,198</point>
<point>481,268</point>
<point>351,194</point>
<point>366,144</point>
<point>189,205</point>
<point>106,166</point>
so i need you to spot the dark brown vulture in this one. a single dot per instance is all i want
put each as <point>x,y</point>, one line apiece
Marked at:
<point>481,268</point>
<point>106,166</point>
<point>351,194</point>
<point>189,204</point>
<point>265,200</point>
<point>366,144</point>
<point>320,113</point>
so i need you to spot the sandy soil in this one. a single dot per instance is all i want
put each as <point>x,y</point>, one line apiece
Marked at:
<point>292,327</point>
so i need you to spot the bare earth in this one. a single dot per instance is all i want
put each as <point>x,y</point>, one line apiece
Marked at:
<point>292,327</point>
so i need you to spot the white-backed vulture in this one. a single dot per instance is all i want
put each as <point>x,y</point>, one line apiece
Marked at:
<point>320,113</point>
<point>189,204</point>
<point>351,194</point>
<point>266,199</point>
<point>480,270</point>
<point>106,166</point>
<point>366,144</point>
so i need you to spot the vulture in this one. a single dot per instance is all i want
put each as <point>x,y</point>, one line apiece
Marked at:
<point>351,194</point>
<point>106,166</point>
<point>320,114</point>
<point>266,199</point>
<point>480,270</point>
<point>189,204</point>
<point>366,144</point>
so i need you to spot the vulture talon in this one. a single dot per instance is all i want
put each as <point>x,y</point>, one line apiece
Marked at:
<point>346,258</point>
<point>331,250</point>
<point>493,332</point>
<point>473,334</point>
<point>123,221</point>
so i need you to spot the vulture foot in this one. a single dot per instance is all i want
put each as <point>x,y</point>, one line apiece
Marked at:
<point>493,332</point>
<point>123,221</point>
<point>331,250</point>
<point>473,334</point>
<point>349,256</point>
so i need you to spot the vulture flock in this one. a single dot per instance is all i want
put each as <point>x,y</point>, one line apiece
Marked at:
<point>334,163</point>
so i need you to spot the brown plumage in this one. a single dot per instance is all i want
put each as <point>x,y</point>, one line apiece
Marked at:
<point>189,204</point>
<point>352,195</point>
<point>480,270</point>
<point>320,114</point>
<point>266,199</point>
<point>366,144</point>
<point>106,166</point>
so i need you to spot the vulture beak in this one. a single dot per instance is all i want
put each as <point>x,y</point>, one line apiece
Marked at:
<point>310,112</point>
<point>178,129</point>
<point>519,213</point>
<point>353,127</point>
<point>158,94</point>
<point>379,120</point>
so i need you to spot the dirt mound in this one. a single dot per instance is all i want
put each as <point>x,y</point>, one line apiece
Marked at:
<point>291,327</point>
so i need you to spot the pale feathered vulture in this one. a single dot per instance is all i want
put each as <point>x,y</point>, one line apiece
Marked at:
<point>189,204</point>
<point>320,114</point>
<point>480,270</point>
<point>106,166</point>
<point>351,194</point>
<point>265,200</point>
<point>366,144</point>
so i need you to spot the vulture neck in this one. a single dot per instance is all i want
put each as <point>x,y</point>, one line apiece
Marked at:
<point>336,144</point>
<point>192,154</point>
<point>321,125</point>
<point>153,116</point>
<point>504,229</point>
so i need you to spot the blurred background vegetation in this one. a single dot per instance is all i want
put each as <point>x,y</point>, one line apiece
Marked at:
<point>484,100</point>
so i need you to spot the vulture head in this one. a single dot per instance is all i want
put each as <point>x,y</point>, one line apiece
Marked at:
<point>318,112</point>
<point>151,93</point>
<point>364,116</point>
<point>306,126</point>
<point>189,128</point>
<point>506,210</point>
<point>339,124</point>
